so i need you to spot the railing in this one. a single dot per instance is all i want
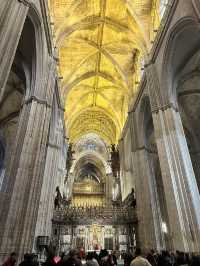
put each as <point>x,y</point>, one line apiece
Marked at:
<point>101,215</point>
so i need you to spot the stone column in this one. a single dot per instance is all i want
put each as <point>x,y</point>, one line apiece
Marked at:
<point>121,158</point>
<point>45,213</point>
<point>148,209</point>
<point>51,178</point>
<point>181,191</point>
<point>149,230</point>
<point>12,17</point>
<point>21,203</point>
<point>109,186</point>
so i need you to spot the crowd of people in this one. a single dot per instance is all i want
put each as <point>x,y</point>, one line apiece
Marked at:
<point>164,258</point>
<point>104,258</point>
<point>76,258</point>
<point>29,260</point>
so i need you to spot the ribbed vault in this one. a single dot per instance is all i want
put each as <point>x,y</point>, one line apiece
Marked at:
<point>89,165</point>
<point>101,46</point>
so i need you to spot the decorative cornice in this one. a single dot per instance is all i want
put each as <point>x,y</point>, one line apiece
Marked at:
<point>34,98</point>
<point>142,148</point>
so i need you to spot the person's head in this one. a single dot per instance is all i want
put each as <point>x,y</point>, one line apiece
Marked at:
<point>177,253</point>
<point>152,251</point>
<point>62,255</point>
<point>90,256</point>
<point>34,257</point>
<point>27,257</point>
<point>113,252</point>
<point>138,252</point>
<point>74,253</point>
<point>13,256</point>
<point>103,253</point>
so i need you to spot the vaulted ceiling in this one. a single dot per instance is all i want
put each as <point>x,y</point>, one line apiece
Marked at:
<point>101,46</point>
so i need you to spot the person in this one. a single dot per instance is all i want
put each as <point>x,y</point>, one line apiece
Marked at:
<point>11,260</point>
<point>27,260</point>
<point>114,257</point>
<point>180,258</point>
<point>128,258</point>
<point>151,257</point>
<point>82,253</point>
<point>165,259</point>
<point>73,259</point>
<point>90,260</point>
<point>139,260</point>
<point>52,260</point>
<point>105,258</point>
<point>110,260</point>
<point>96,256</point>
<point>195,261</point>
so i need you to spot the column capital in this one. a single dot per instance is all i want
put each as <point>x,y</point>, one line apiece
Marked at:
<point>165,107</point>
<point>144,148</point>
<point>53,145</point>
<point>36,99</point>
<point>25,2</point>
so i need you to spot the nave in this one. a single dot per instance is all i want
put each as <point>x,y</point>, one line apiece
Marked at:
<point>99,132</point>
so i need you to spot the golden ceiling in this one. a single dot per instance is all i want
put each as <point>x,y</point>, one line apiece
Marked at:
<point>101,46</point>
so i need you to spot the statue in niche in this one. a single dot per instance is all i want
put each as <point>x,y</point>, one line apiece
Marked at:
<point>58,199</point>
<point>132,198</point>
<point>115,162</point>
<point>69,160</point>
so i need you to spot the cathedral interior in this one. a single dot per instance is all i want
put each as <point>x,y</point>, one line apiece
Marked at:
<point>99,125</point>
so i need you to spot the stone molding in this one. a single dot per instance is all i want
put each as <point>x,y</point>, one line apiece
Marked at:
<point>25,2</point>
<point>141,148</point>
<point>36,99</point>
<point>165,107</point>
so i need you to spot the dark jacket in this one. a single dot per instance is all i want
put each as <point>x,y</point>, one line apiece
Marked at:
<point>72,262</point>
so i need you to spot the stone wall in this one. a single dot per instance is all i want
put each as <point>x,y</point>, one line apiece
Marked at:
<point>37,140</point>
<point>167,194</point>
